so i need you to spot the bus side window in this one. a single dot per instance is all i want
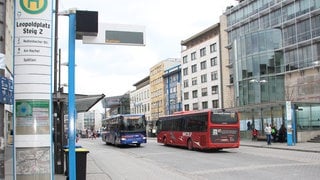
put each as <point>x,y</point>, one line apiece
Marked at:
<point>188,124</point>
<point>183,124</point>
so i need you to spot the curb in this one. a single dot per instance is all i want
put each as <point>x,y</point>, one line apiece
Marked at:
<point>282,148</point>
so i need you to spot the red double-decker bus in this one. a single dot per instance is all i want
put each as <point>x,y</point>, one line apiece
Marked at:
<point>202,130</point>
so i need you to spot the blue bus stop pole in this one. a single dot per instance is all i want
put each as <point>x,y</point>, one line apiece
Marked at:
<point>71,95</point>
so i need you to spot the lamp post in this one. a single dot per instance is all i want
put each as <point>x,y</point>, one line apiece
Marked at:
<point>258,95</point>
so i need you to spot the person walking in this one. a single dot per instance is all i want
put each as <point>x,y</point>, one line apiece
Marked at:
<point>267,130</point>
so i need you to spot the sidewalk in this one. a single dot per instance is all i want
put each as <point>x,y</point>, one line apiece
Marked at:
<point>93,171</point>
<point>304,146</point>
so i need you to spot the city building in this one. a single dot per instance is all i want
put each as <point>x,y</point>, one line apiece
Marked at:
<point>6,51</point>
<point>90,120</point>
<point>274,63</point>
<point>172,86</point>
<point>157,88</point>
<point>201,70</point>
<point>116,105</point>
<point>140,100</point>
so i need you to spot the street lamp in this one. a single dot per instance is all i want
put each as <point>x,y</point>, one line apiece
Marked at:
<point>258,81</point>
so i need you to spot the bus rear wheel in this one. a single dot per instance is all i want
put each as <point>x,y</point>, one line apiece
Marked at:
<point>190,144</point>
<point>165,141</point>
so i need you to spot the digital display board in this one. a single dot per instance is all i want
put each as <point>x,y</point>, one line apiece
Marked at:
<point>124,37</point>
<point>117,34</point>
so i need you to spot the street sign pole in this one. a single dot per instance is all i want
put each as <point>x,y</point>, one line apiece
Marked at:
<point>71,95</point>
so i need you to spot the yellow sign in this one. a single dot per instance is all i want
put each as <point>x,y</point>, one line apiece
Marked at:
<point>34,6</point>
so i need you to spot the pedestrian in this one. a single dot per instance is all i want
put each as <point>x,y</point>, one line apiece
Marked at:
<point>267,130</point>
<point>274,133</point>
<point>87,133</point>
<point>282,133</point>
<point>94,134</point>
<point>77,137</point>
<point>248,125</point>
<point>254,134</point>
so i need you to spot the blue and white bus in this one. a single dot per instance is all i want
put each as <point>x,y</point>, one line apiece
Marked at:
<point>124,129</point>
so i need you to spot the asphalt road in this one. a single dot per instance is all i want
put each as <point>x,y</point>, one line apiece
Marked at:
<point>155,161</point>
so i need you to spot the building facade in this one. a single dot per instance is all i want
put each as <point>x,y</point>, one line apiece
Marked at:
<point>274,48</point>
<point>90,120</point>
<point>157,87</point>
<point>201,72</point>
<point>140,101</point>
<point>116,105</point>
<point>172,86</point>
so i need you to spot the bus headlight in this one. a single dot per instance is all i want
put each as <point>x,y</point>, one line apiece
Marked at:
<point>123,138</point>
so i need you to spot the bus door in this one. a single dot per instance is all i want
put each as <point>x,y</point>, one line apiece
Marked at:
<point>179,135</point>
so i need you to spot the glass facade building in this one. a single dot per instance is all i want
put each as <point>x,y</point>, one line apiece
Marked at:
<point>259,68</point>
<point>172,83</point>
<point>274,48</point>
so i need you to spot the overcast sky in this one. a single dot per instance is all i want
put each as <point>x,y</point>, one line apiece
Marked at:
<point>113,69</point>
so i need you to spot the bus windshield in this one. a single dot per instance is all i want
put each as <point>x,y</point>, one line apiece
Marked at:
<point>132,123</point>
<point>224,118</point>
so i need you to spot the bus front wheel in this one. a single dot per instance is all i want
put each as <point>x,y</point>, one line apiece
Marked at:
<point>190,144</point>
<point>115,141</point>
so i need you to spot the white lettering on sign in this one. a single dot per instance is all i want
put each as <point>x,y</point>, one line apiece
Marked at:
<point>186,134</point>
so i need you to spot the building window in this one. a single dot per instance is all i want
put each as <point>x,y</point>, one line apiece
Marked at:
<point>213,61</point>
<point>194,81</point>
<point>193,56</point>
<point>315,21</point>
<point>204,91</point>
<point>214,89</point>
<point>215,104</point>
<point>203,65</point>
<point>185,59</point>
<point>202,52</point>
<point>195,106</point>
<point>185,71</point>
<point>186,95</point>
<point>186,107</point>
<point>203,78</point>
<point>195,94</point>
<point>303,30</point>
<point>214,75</point>
<point>186,83</point>
<point>205,105</point>
<point>213,48</point>
<point>194,68</point>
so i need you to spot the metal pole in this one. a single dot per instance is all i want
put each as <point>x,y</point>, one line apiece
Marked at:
<point>2,73</point>
<point>55,48</point>
<point>59,75</point>
<point>2,127</point>
<point>71,95</point>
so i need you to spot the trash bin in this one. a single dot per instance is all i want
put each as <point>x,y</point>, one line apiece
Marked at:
<point>81,163</point>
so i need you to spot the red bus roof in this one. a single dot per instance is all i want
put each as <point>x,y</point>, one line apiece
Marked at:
<point>199,111</point>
